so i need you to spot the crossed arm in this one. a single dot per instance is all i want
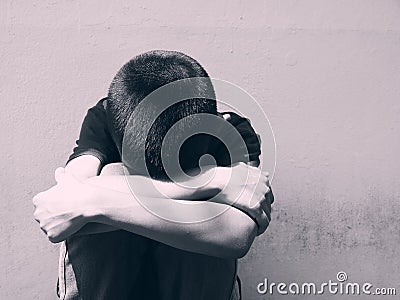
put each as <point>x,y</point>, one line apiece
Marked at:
<point>82,203</point>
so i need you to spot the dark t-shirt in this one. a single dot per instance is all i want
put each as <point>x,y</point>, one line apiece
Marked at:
<point>123,265</point>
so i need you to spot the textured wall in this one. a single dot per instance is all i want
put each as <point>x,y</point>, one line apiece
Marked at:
<point>326,72</point>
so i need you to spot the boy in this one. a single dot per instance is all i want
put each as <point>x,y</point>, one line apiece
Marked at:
<point>127,264</point>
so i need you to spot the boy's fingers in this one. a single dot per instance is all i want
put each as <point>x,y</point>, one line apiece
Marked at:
<point>263,223</point>
<point>270,196</point>
<point>266,206</point>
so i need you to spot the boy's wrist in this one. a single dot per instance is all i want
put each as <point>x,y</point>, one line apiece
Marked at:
<point>91,208</point>
<point>218,178</point>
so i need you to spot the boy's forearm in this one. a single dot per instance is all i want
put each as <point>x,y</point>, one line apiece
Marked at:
<point>147,187</point>
<point>68,206</point>
<point>210,183</point>
<point>228,235</point>
<point>203,186</point>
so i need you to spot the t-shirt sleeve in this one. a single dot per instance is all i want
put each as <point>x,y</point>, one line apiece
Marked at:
<point>94,138</point>
<point>247,135</point>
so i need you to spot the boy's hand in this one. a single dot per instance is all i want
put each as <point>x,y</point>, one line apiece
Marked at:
<point>63,209</point>
<point>248,189</point>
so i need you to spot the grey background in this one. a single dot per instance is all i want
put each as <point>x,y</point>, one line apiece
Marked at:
<point>326,72</point>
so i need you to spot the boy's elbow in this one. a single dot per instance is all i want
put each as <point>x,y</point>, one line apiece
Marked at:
<point>234,238</point>
<point>239,252</point>
<point>242,242</point>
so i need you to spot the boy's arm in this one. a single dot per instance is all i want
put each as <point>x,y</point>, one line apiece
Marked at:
<point>228,183</point>
<point>95,149</point>
<point>85,167</point>
<point>112,177</point>
<point>230,234</point>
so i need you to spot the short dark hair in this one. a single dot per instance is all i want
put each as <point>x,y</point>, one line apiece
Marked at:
<point>141,76</point>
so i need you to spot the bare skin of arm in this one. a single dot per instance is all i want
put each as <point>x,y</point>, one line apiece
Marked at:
<point>118,209</point>
<point>207,186</point>
<point>228,235</point>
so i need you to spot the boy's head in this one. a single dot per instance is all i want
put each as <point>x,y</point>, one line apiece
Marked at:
<point>137,79</point>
